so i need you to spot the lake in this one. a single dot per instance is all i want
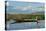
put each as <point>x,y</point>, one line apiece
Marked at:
<point>25,25</point>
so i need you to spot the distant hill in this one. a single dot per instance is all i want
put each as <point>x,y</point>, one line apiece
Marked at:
<point>38,13</point>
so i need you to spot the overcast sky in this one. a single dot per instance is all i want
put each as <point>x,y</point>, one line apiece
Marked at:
<point>24,7</point>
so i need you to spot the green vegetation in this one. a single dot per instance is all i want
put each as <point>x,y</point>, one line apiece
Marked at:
<point>25,16</point>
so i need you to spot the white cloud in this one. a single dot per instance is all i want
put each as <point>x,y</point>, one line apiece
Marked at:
<point>36,9</point>
<point>26,8</point>
<point>23,8</point>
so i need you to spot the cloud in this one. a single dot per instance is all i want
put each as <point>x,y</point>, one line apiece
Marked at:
<point>23,8</point>
<point>26,8</point>
<point>36,9</point>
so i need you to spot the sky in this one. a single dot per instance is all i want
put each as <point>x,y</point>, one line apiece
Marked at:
<point>16,7</point>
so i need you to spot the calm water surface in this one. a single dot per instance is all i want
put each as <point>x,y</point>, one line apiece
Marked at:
<point>25,25</point>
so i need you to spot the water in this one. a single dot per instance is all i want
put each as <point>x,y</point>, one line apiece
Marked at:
<point>25,25</point>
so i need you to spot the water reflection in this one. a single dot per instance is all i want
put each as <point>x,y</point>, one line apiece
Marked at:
<point>11,25</point>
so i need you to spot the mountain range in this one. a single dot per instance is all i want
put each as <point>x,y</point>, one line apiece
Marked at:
<point>38,13</point>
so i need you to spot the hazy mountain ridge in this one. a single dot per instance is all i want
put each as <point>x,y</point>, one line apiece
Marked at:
<point>41,12</point>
